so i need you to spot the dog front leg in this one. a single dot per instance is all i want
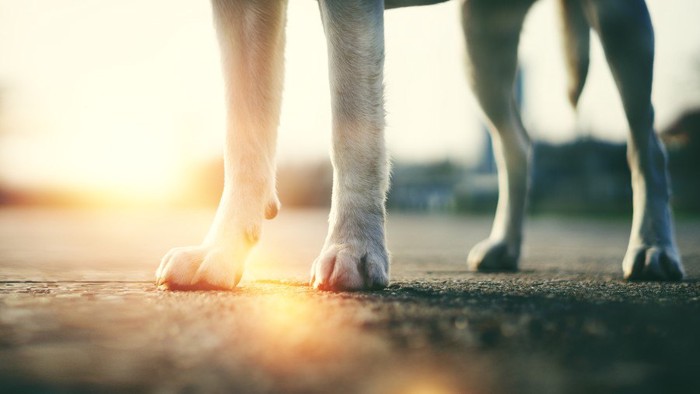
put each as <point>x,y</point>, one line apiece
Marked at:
<point>251,37</point>
<point>354,256</point>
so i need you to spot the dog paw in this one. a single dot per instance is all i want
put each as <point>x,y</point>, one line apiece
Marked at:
<point>491,255</point>
<point>652,263</point>
<point>199,268</point>
<point>345,267</point>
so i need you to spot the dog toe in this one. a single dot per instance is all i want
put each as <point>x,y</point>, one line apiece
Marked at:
<point>198,268</point>
<point>343,268</point>
<point>492,256</point>
<point>650,263</point>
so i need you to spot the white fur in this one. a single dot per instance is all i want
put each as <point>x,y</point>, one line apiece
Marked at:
<point>354,256</point>
<point>251,37</point>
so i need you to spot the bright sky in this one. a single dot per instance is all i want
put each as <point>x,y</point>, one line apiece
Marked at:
<point>125,95</point>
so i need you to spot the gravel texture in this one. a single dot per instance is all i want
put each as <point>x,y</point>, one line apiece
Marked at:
<point>79,312</point>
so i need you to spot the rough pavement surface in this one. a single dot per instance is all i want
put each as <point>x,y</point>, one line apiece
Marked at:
<point>79,312</point>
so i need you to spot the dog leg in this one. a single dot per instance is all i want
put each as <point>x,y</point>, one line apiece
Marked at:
<point>492,30</point>
<point>627,36</point>
<point>354,255</point>
<point>251,37</point>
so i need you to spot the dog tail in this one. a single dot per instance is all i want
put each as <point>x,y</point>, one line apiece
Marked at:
<point>576,46</point>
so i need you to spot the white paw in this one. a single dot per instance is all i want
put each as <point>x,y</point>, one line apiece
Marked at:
<point>493,255</point>
<point>351,267</point>
<point>646,262</point>
<point>199,268</point>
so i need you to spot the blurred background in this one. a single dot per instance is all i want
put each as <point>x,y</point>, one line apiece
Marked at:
<point>113,104</point>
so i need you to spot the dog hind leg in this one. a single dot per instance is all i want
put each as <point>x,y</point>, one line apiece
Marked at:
<point>251,37</point>
<point>354,255</point>
<point>492,30</point>
<point>625,30</point>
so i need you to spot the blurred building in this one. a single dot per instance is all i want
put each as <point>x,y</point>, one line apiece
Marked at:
<point>585,175</point>
<point>425,187</point>
<point>682,140</point>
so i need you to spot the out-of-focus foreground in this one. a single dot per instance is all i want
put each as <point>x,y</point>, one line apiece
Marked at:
<point>79,311</point>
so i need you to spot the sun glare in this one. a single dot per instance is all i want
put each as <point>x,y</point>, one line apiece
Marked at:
<point>123,114</point>
<point>131,154</point>
<point>297,329</point>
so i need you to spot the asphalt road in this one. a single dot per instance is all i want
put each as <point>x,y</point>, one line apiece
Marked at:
<point>79,312</point>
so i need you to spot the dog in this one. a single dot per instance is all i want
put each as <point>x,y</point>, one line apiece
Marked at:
<point>354,257</point>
